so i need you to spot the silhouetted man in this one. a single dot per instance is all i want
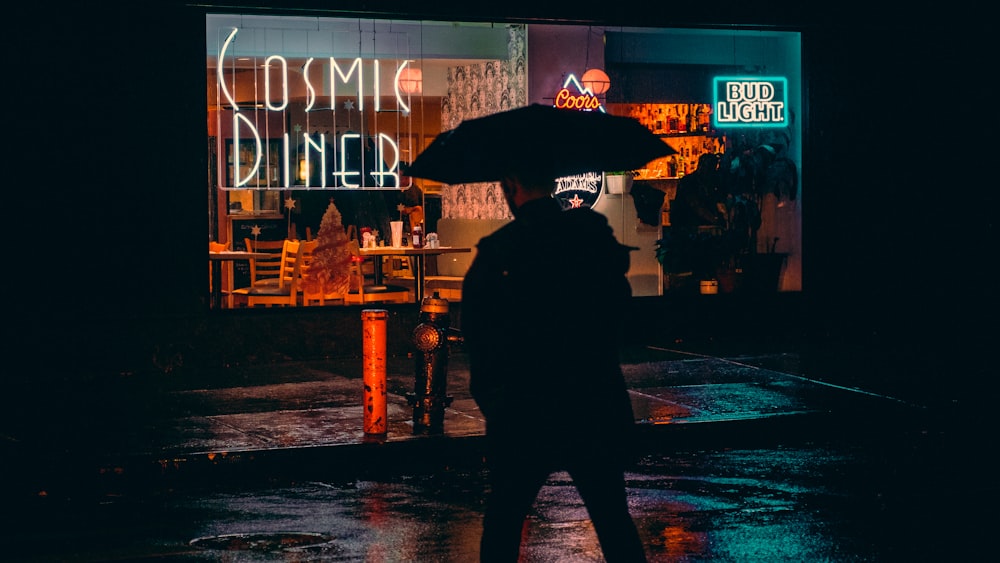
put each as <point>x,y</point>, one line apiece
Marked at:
<point>542,309</point>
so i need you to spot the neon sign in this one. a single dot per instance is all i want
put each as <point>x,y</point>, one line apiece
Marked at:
<point>584,99</point>
<point>750,101</point>
<point>567,100</point>
<point>580,190</point>
<point>382,173</point>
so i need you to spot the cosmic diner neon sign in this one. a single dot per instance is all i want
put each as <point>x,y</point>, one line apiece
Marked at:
<point>312,150</point>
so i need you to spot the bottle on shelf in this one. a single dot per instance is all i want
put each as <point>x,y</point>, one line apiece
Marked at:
<point>705,118</point>
<point>672,166</point>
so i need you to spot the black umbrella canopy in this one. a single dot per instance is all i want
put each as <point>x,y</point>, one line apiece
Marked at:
<point>540,141</point>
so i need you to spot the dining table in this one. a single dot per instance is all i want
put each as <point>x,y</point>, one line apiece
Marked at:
<point>216,259</point>
<point>419,255</point>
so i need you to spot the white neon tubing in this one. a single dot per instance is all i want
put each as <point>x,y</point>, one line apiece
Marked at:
<point>218,69</point>
<point>236,147</point>
<point>284,82</point>
<point>310,91</point>
<point>335,71</point>
<point>382,172</point>
<point>288,172</point>
<point>395,86</point>
<point>378,98</point>
<point>321,148</point>
<point>343,173</point>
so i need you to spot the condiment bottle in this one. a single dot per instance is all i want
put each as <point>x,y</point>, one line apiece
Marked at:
<point>417,236</point>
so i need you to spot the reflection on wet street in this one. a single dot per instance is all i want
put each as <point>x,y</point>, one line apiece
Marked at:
<point>803,503</point>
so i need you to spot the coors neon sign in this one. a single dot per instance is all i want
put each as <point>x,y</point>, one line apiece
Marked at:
<point>568,100</point>
<point>329,155</point>
<point>579,98</point>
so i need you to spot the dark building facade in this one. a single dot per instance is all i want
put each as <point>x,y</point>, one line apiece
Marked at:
<point>111,155</point>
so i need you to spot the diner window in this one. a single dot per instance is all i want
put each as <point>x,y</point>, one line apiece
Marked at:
<point>305,114</point>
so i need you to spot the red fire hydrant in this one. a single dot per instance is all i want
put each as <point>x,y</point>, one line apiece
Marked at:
<point>432,337</point>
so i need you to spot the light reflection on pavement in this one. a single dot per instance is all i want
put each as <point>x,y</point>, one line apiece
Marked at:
<point>805,503</point>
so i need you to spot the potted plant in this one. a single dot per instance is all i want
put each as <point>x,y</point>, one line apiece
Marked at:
<point>760,272</point>
<point>758,166</point>
<point>730,253</point>
<point>617,182</point>
<point>692,257</point>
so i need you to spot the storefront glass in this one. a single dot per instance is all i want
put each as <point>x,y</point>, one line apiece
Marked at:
<point>303,112</point>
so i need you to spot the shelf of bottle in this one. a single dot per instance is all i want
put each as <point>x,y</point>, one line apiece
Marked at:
<point>690,134</point>
<point>640,177</point>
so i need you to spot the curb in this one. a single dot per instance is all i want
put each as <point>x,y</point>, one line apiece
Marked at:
<point>440,453</point>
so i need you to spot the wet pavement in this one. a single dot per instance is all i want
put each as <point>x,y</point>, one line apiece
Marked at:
<point>812,502</point>
<point>293,417</point>
<point>739,458</point>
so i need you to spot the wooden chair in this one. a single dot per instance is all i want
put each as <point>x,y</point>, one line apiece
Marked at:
<point>318,297</point>
<point>363,292</point>
<point>265,271</point>
<point>286,289</point>
<point>401,267</point>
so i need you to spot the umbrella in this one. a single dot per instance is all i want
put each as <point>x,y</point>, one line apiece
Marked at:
<point>537,140</point>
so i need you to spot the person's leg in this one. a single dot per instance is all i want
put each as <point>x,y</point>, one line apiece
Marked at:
<point>602,489</point>
<point>514,484</point>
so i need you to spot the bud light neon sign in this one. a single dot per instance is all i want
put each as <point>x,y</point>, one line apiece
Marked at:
<point>750,101</point>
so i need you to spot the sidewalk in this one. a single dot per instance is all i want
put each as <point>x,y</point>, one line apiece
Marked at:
<point>741,458</point>
<point>296,419</point>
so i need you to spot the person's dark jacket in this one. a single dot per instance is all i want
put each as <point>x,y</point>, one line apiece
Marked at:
<point>542,307</point>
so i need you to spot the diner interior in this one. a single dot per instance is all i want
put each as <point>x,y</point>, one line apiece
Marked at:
<point>289,112</point>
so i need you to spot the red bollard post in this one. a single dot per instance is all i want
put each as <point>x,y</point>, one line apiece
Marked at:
<point>375,408</point>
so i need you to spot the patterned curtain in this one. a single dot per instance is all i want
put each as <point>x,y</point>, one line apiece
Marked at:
<point>475,91</point>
